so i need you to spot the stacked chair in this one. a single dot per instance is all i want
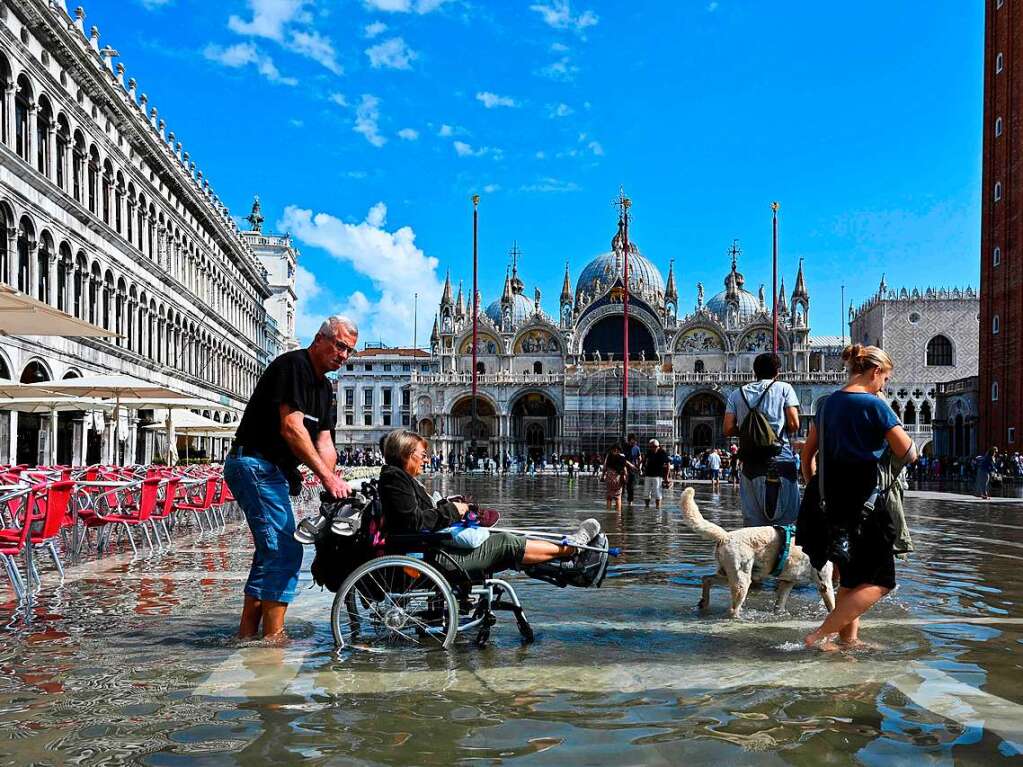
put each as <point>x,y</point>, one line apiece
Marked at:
<point>81,512</point>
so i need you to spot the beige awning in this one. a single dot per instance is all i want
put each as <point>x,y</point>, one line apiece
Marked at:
<point>22,315</point>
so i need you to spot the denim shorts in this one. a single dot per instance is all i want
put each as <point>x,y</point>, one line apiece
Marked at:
<point>261,489</point>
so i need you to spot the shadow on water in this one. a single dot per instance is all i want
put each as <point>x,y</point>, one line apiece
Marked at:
<point>135,661</point>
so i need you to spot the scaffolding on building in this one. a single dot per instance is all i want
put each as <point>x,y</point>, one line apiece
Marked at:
<point>593,408</point>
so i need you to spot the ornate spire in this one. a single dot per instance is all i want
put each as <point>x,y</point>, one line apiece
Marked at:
<point>800,290</point>
<point>506,294</point>
<point>762,296</point>
<point>566,287</point>
<point>445,298</point>
<point>459,302</point>
<point>783,303</point>
<point>670,292</point>
<point>882,289</point>
<point>517,286</point>
<point>255,218</point>
<point>435,335</point>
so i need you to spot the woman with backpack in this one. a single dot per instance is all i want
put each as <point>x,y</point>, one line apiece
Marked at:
<point>843,452</point>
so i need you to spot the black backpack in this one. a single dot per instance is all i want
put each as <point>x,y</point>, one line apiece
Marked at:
<point>338,555</point>
<point>758,442</point>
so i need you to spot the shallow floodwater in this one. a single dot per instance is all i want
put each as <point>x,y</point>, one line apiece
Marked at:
<point>133,660</point>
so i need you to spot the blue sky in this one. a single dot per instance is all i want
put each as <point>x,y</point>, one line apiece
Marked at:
<point>365,126</point>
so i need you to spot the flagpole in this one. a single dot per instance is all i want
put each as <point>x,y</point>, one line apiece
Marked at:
<point>774,278</point>
<point>475,312</point>
<point>626,203</point>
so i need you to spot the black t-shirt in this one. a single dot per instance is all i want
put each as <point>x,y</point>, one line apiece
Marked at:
<point>656,463</point>
<point>616,462</point>
<point>288,380</point>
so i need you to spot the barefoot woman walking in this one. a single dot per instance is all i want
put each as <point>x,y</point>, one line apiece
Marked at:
<point>856,425</point>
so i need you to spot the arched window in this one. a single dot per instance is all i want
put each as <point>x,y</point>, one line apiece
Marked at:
<point>92,182</point>
<point>994,391</point>
<point>481,368</point>
<point>108,186</point>
<point>5,81</point>
<point>63,268</point>
<point>998,126</point>
<point>22,105</point>
<point>996,256</point>
<point>44,124</point>
<point>998,191</point>
<point>63,147</point>
<point>909,417</point>
<point>897,408</point>
<point>34,372</point>
<point>996,325</point>
<point>699,367</point>
<point>925,413</point>
<point>43,255</point>
<point>537,367</point>
<point>78,166</point>
<point>939,352</point>
<point>26,235</point>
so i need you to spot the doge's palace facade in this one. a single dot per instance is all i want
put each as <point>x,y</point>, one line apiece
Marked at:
<point>104,215</point>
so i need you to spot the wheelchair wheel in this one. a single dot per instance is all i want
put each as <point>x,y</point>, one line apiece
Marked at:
<point>394,603</point>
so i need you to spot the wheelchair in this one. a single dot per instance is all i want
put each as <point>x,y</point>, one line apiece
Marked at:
<point>411,594</point>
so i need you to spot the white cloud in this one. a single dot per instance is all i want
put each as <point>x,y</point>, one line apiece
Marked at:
<point>290,24</point>
<point>550,184</point>
<point>404,6</point>
<point>491,188</point>
<point>596,148</point>
<point>445,131</point>
<point>152,5</point>
<point>317,47</point>
<point>491,100</point>
<point>338,98</point>
<point>558,14</point>
<point>243,54</point>
<point>541,155</point>
<point>408,134</point>
<point>562,70</point>
<point>296,123</point>
<point>356,174</point>
<point>270,17</point>
<point>372,30</point>
<point>711,7</point>
<point>559,48</point>
<point>560,110</point>
<point>391,54</point>
<point>395,266</point>
<point>463,149</point>
<point>367,118</point>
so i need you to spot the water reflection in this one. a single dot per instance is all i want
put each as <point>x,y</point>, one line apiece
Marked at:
<point>134,660</point>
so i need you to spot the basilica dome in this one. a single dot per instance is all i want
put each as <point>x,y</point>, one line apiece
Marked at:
<point>748,303</point>
<point>645,280</point>
<point>522,309</point>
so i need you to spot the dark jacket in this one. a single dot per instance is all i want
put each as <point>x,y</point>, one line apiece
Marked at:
<point>407,507</point>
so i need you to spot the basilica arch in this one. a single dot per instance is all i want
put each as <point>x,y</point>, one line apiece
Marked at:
<point>699,421</point>
<point>485,429</point>
<point>536,423</point>
<point>641,321</point>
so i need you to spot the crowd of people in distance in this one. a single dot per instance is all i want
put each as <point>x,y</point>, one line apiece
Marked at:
<point>359,457</point>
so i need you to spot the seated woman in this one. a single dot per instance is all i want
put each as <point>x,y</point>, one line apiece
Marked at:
<point>409,508</point>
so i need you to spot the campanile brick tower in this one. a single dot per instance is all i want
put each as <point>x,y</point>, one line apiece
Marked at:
<point>1001,267</point>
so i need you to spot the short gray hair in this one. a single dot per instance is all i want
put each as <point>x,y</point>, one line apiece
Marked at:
<point>400,444</point>
<point>335,321</point>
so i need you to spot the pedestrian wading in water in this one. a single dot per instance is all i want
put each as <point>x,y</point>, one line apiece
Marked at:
<point>851,512</point>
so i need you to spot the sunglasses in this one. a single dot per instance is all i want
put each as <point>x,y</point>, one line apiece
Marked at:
<point>344,348</point>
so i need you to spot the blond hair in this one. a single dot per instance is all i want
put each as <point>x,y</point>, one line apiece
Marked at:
<point>860,359</point>
<point>399,446</point>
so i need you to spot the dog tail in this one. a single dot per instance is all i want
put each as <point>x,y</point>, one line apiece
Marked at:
<point>694,519</point>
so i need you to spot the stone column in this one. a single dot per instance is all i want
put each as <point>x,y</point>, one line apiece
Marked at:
<point>33,269</point>
<point>8,96</point>
<point>30,138</point>
<point>51,150</point>
<point>52,284</point>
<point>11,278</point>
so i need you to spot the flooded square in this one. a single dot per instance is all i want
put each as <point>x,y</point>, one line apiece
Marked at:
<point>134,660</point>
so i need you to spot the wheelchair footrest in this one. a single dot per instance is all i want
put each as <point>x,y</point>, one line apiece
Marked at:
<point>585,570</point>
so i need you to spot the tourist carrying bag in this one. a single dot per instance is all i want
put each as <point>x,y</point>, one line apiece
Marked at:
<point>758,442</point>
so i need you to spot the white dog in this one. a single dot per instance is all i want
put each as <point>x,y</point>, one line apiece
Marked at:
<point>749,555</point>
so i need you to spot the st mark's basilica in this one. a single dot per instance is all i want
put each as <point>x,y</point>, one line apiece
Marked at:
<point>553,385</point>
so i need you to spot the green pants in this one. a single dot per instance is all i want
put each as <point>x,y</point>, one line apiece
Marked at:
<point>501,551</point>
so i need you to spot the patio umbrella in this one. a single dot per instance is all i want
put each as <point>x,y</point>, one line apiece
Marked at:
<point>171,427</point>
<point>9,388</point>
<point>115,386</point>
<point>22,315</point>
<point>53,404</point>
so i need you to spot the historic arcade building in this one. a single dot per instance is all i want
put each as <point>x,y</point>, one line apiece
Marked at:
<point>104,215</point>
<point>553,385</point>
